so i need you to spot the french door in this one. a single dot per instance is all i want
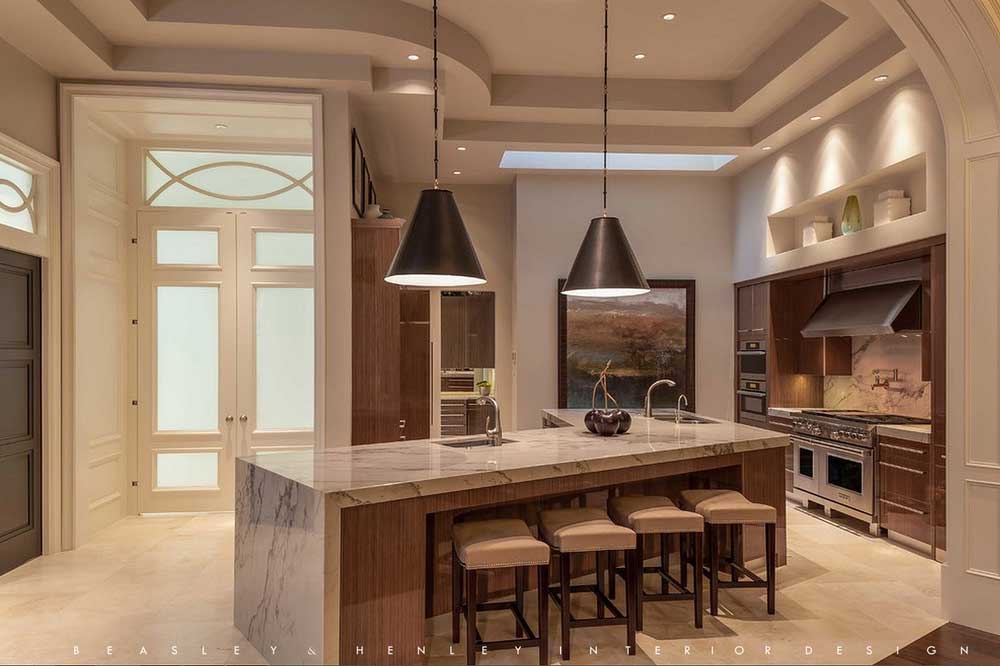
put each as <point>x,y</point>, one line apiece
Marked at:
<point>226,348</point>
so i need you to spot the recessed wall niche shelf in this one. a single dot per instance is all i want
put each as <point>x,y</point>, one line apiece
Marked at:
<point>785,226</point>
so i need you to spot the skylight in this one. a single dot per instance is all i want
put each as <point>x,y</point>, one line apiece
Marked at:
<point>537,159</point>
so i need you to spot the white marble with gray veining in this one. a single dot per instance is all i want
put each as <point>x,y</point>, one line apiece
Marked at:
<point>399,470</point>
<point>914,433</point>
<point>280,584</point>
<point>909,395</point>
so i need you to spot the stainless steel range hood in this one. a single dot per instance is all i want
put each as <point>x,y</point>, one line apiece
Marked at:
<point>876,310</point>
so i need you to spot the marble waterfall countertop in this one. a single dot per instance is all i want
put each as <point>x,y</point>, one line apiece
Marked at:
<point>398,470</point>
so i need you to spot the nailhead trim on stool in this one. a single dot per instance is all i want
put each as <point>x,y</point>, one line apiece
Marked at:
<point>722,508</point>
<point>589,530</point>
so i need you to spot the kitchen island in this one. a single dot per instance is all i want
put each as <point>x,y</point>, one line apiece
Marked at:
<point>342,554</point>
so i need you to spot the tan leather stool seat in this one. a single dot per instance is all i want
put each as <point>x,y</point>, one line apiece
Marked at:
<point>488,544</point>
<point>649,514</point>
<point>727,507</point>
<point>583,530</point>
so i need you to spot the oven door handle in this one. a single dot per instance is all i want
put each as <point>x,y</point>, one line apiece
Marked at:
<point>750,352</point>
<point>858,453</point>
<point>753,394</point>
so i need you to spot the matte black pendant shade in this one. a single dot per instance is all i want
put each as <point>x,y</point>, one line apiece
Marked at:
<point>605,266</point>
<point>436,250</point>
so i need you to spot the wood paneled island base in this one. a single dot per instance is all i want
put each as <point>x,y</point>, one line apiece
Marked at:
<point>332,571</point>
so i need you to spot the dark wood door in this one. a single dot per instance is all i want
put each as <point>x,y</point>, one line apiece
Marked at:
<point>761,307</point>
<point>744,309</point>
<point>481,326</point>
<point>415,364</point>
<point>453,338</point>
<point>20,409</point>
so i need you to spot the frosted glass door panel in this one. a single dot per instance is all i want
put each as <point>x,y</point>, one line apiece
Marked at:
<point>196,248</point>
<point>187,470</point>
<point>187,358</point>
<point>284,358</point>
<point>282,248</point>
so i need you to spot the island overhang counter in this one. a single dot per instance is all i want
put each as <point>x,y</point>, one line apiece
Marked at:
<point>341,554</point>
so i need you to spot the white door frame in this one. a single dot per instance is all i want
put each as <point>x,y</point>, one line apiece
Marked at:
<point>69,95</point>
<point>45,244</point>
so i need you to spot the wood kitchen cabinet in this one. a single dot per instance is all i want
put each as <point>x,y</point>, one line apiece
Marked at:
<point>905,493</point>
<point>467,330</point>
<point>753,308</point>
<point>414,364</point>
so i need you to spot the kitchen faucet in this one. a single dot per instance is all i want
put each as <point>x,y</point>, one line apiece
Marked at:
<point>649,394</point>
<point>884,383</point>
<point>677,414</point>
<point>495,435</point>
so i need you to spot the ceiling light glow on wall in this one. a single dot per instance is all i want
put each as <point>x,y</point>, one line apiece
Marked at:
<point>456,173</point>
<point>639,56</point>
<point>669,16</point>
<point>413,57</point>
<point>462,148</point>
<point>592,161</point>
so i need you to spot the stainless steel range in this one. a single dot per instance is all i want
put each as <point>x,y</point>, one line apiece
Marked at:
<point>835,462</point>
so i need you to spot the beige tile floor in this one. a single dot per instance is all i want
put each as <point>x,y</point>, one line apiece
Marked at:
<point>153,583</point>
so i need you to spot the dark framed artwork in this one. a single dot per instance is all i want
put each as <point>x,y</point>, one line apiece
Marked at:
<point>645,337</point>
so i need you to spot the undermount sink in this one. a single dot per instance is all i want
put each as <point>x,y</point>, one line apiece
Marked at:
<point>686,418</point>
<point>469,443</point>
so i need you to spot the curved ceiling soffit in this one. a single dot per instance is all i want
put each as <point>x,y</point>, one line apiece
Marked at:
<point>394,19</point>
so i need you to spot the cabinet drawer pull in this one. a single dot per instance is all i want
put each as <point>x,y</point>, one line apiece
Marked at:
<point>904,507</point>
<point>897,447</point>
<point>901,468</point>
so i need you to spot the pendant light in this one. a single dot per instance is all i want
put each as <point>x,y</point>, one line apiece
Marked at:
<point>436,250</point>
<point>605,266</point>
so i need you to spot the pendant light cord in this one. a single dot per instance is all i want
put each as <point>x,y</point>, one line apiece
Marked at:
<point>435,94</point>
<point>605,193</point>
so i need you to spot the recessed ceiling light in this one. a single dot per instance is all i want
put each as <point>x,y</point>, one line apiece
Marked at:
<point>221,126</point>
<point>462,148</point>
<point>670,16</point>
<point>881,78</point>
<point>413,57</point>
<point>639,56</point>
<point>456,173</point>
<point>816,118</point>
<point>766,148</point>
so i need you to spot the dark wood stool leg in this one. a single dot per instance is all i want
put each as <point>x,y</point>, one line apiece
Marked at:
<point>734,548</point>
<point>519,574</point>
<point>632,562</point>
<point>543,614</point>
<point>471,589</point>
<point>713,568</point>
<point>599,559</point>
<point>564,593</point>
<point>682,540</point>
<point>456,598</point>
<point>772,557</point>
<point>664,563</point>
<point>698,579</point>
<point>612,576</point>
<point>640,555</point>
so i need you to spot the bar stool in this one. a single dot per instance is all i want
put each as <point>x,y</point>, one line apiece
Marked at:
<point>653,515</point>
<point>721,508</point>
<point>498,544</point>
<point>589,530</point>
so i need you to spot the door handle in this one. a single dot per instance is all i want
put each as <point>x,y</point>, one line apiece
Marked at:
<point>243,418</point>
<point>229,419</point>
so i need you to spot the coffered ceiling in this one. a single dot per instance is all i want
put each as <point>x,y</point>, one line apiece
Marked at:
<point>724,76</point>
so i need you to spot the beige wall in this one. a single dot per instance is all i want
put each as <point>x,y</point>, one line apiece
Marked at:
<point>898,123</point>
<point>28,102</point>
<point>488,212</point>
<point>679,227</point>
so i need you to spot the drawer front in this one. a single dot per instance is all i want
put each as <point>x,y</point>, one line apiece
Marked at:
<point>905,452</point>
<point>904,483</point>
<point>906,520</point>
<point>905,493</point>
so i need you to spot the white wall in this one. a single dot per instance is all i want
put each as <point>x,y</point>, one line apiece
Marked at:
<point>679,227</point>
<point>488,212</point>
<point>898,123</point>
<point>28,102</point>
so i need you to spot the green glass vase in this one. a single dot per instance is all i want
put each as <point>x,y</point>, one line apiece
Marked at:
<point>851,221</point>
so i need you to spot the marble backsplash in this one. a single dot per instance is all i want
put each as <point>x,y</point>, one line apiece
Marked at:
<point>909,396</point>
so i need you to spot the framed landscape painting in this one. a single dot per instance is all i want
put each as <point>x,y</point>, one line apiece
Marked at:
<point>645,337</point>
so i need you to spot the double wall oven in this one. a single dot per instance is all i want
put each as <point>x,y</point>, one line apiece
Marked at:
<point>834,460</point>
<point>751,356</point>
